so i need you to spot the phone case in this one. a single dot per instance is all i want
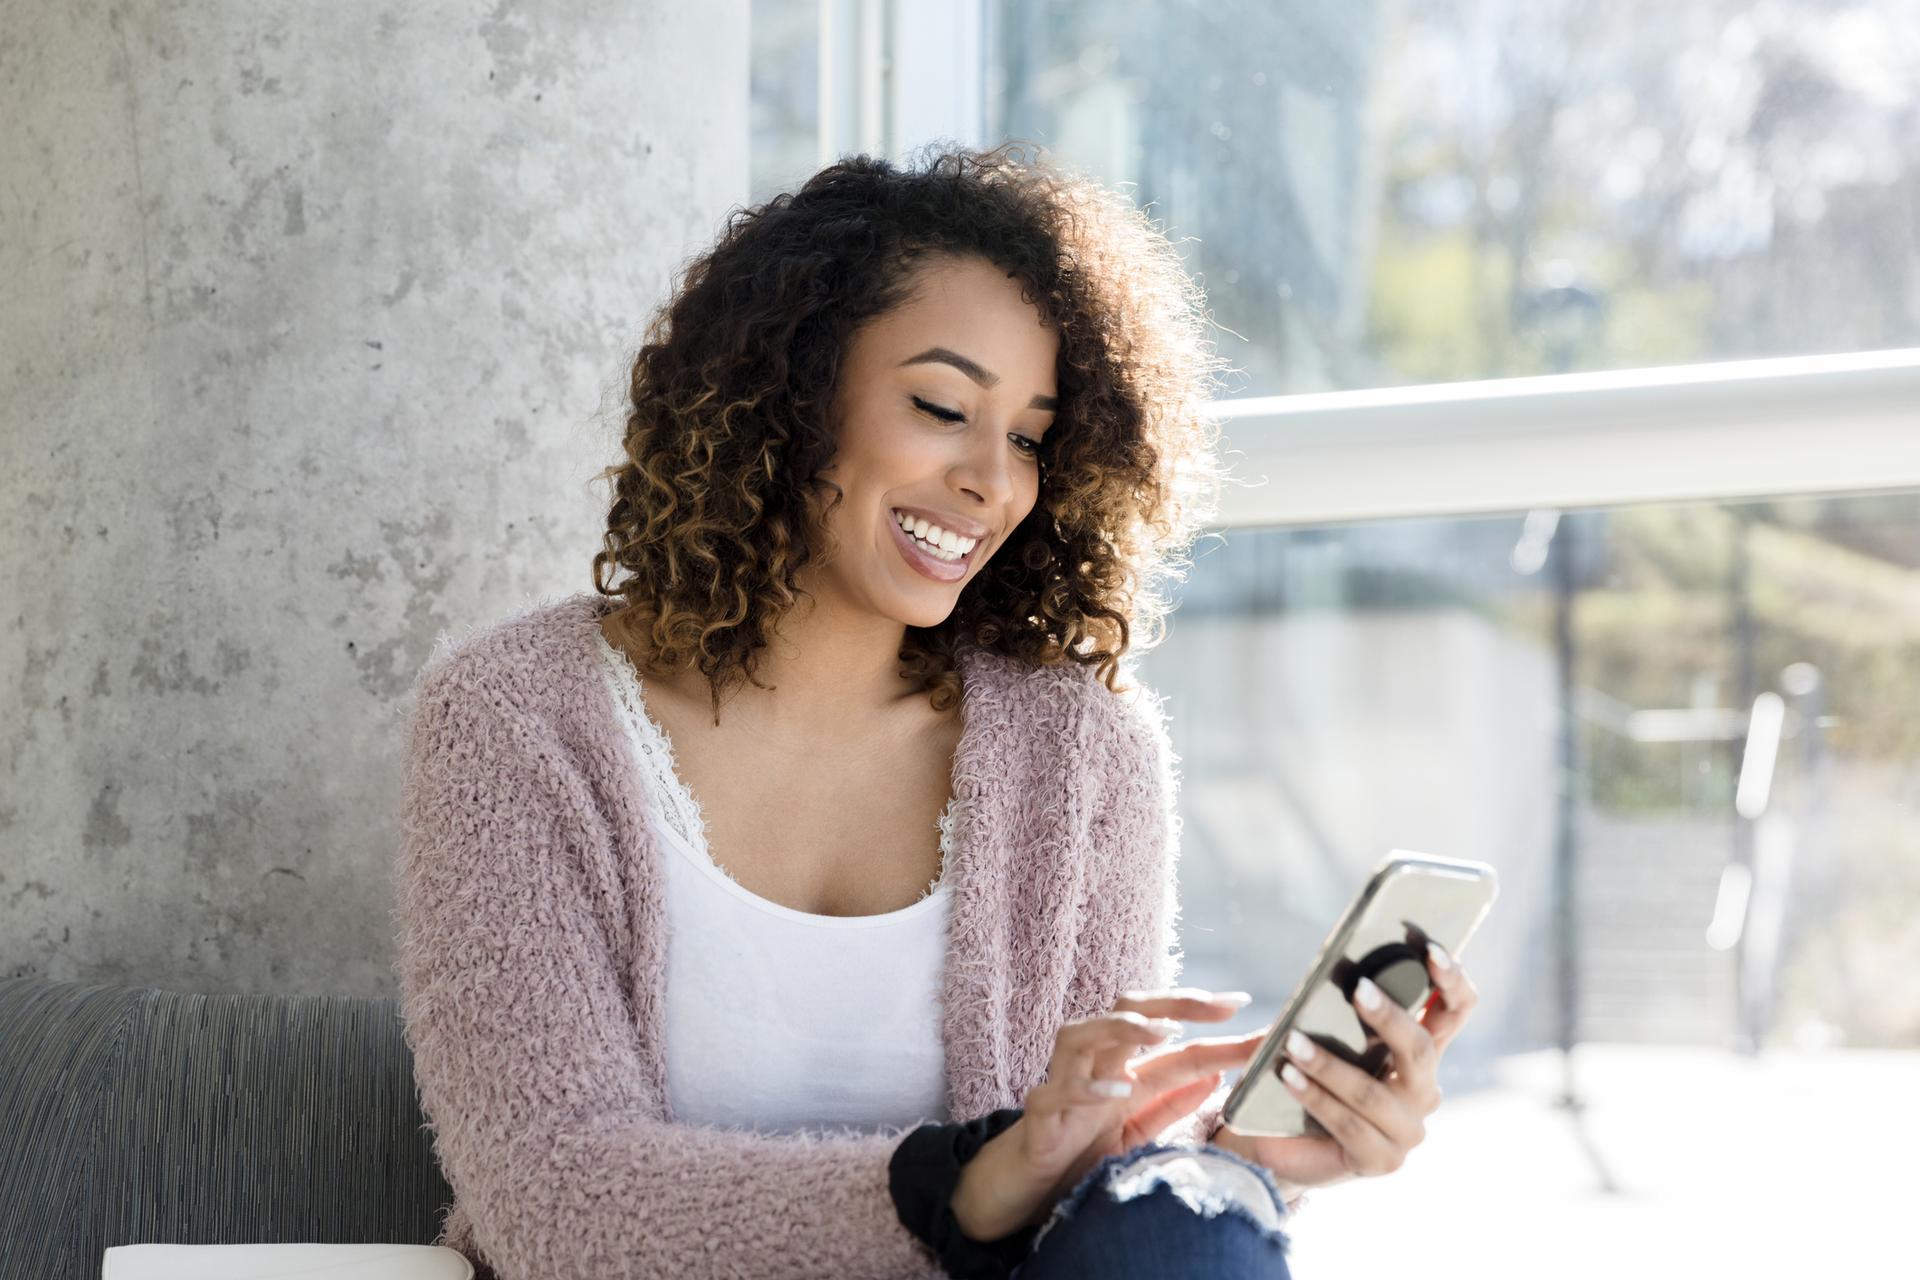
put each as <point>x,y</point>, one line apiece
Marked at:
<point>1409,899</point>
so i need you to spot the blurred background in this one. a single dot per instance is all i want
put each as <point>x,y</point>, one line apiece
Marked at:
<point>1638,623</point>
<point>1575,410</point>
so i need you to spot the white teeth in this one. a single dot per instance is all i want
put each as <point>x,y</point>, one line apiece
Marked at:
<point>938,553</point>
<point>941,543</point>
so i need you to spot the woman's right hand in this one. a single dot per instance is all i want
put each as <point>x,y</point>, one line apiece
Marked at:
<point>1068,1125</point>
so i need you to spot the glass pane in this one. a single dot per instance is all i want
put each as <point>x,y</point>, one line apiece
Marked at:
<point>1376,194</point>
<point>1742,935</point>
<point>785,105</point>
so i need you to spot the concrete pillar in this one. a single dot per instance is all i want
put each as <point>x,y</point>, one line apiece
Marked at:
<point>315,327</point>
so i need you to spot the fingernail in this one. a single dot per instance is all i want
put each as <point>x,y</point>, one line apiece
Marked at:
<point>1234,998</point>
<point>1440,956</point>
<point>1291,1074</point>
<point>1111,1088</point>
<point>1370,997</point>
<point>1300,1047</point>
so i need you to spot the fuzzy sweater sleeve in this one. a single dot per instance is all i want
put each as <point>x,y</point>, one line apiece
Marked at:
<point>527,1059</point>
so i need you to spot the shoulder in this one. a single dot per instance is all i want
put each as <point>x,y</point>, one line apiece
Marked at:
<point>1134,736</point>
<point>1136,714</point>
<point>513,716</point>
<point>535,662</point>
<point>1069,705</point>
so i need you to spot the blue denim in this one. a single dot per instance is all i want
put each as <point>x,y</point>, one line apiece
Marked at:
<point>1145,1213</point>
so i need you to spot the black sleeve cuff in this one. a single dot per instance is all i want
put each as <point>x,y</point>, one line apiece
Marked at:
<point>922,1176</point>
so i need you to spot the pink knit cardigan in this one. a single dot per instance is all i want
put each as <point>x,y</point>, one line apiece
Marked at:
<point>532,961</point>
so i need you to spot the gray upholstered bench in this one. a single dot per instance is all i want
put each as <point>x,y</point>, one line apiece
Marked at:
<point>130,1115</point>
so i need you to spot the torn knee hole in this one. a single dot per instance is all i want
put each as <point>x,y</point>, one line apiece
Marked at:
<point>1207,1182</point>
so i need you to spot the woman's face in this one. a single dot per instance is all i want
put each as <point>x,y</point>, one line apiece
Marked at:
<point>941,408</point>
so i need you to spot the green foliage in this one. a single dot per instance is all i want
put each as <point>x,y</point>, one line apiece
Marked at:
<point>1425,326</point>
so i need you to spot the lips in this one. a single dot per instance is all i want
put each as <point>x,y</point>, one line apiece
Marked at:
<point>938,570</point>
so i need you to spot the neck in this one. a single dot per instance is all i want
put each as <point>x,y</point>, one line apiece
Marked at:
<point>829,671</point>
<point>827,665</point>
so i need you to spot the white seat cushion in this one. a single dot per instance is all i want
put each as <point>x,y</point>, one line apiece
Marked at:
<point>267,1261</point>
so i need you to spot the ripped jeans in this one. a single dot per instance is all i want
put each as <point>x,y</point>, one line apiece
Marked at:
<point>1169,1211</point>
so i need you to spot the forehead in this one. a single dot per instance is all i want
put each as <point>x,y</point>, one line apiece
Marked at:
<point>975,308</point>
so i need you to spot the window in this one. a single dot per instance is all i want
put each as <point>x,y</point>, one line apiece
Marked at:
<point>784,107</point>
<point>1736,849</point>
<point>1439,190</point>
<point>1575,527</point>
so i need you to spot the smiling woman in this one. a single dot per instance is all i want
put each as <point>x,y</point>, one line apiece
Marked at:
<point>907,456</point>
<point>1009,352</point>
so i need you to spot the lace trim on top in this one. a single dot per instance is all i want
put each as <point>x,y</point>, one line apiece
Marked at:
<point>669,796</point>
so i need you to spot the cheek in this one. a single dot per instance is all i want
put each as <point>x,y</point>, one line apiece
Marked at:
<point>885,455</point>
<point>1033,502</point>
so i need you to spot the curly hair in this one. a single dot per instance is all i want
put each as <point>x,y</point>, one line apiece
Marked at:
<point>713,511</point>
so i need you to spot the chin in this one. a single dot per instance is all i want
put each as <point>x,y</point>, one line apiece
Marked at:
<point>925,619</point>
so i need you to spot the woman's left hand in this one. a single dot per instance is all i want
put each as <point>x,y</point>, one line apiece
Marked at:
<point>1373,1123</point>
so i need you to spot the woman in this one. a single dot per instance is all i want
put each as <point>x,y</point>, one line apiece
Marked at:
<point>873,974</point>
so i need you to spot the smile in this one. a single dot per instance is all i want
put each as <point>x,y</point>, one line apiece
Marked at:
<point>933,562</point>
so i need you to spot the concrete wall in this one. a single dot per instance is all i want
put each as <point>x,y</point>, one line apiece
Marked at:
<point>314,334</point>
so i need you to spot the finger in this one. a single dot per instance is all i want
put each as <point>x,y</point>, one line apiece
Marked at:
<point>1366,1150</point>
<point>1172,1066</point>
<point>1415,1055</point>
<point>1167,1108</point>
<point>1454,1001</point>
<point>1195,1003</point>
<point>1170,1083</point>
<point>1110,1061</point>
<point>1078,1043</point>
<point>1057,1111</point>
<point>1393,1109</point>
<point>1222,1052</point>
<point>1061,1095</point>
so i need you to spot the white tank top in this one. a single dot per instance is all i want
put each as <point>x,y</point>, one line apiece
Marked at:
<point>779,1019</point>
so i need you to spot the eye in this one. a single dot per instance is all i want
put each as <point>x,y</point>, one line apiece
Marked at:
<point>1029,447</point>
<point>934,410</point>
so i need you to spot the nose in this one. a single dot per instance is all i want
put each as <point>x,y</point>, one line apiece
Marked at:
<point>988,475</point>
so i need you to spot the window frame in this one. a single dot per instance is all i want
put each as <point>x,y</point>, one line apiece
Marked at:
<point>894,76</point>
<point>1680,433</point>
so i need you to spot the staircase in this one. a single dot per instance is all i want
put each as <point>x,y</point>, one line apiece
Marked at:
<point>1646,890</point>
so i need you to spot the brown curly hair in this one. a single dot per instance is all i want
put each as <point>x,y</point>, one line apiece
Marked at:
<point>712,513</point>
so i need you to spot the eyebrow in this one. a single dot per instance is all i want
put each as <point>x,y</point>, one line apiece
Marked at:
<point>983,377</point>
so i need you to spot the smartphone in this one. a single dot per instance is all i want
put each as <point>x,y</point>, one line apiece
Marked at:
<point>1409,899</point>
